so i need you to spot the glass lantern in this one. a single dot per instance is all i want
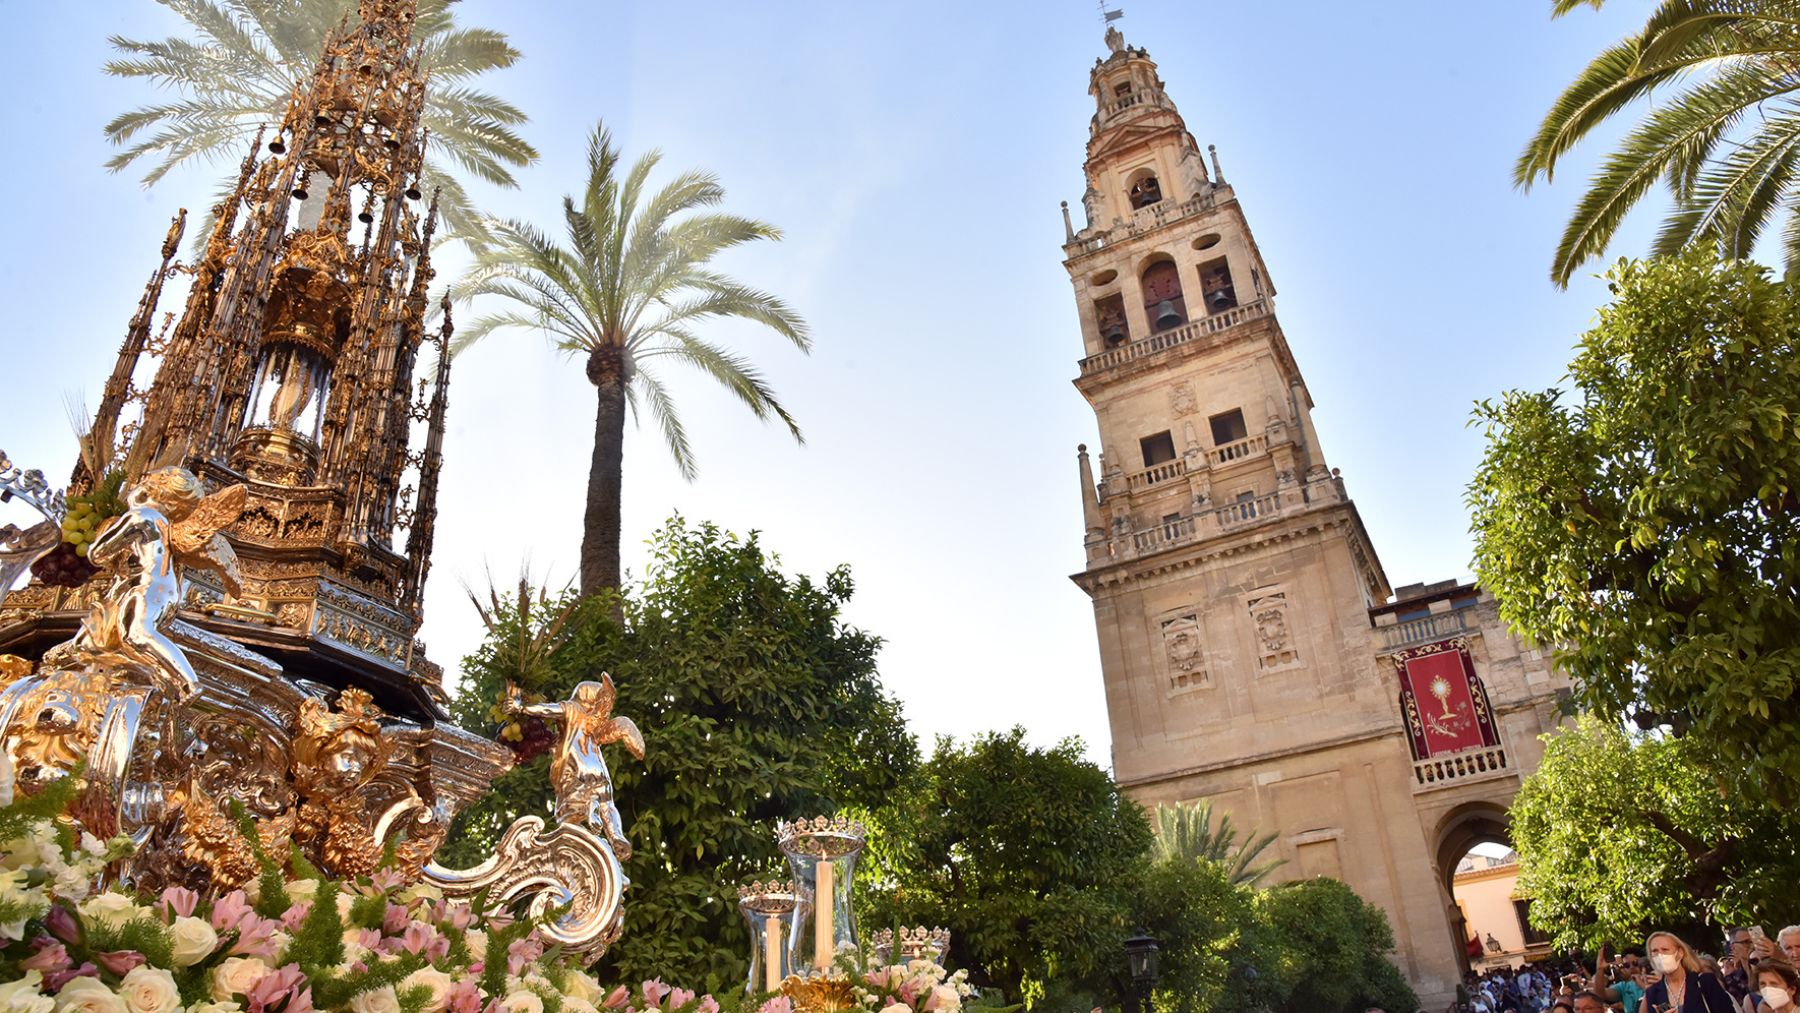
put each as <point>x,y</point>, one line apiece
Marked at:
<point>289,392</point>
<point>768,910</point>
<point>822,854</point>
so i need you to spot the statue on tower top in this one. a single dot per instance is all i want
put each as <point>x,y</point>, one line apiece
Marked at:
<point>1115,39</point>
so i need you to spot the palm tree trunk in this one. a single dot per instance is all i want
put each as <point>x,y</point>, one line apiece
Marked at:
<point>600,524</point>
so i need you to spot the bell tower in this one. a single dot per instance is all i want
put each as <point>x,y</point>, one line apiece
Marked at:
<point>1251,651</point>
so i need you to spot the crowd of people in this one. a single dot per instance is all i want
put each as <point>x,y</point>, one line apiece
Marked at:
<point>1754,973</point>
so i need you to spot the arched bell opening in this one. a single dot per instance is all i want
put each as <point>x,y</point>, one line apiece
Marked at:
<point>1143,189</point>
<point>1163,302</point>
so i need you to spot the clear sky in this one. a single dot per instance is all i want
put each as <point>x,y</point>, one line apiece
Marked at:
<point>915,155</point>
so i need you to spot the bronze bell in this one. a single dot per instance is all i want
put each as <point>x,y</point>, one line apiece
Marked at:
<point>1166,316</point>
<point>1114,334</point>
<point>300,193</point>
<point>276,146</point>
<point>365,217</point>
<point>412,193</point>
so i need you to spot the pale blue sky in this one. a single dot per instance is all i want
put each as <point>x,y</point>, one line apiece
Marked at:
<point>915,155</point>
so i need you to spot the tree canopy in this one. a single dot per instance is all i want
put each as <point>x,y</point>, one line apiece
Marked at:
<point>1617,833</point>
<point>1646,520</point>
<point>758,703</point>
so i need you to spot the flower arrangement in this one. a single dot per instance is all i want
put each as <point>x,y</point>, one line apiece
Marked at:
<point>297,942</point>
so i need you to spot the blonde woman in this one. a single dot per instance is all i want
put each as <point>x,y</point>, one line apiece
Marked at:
<point>1678,984</point>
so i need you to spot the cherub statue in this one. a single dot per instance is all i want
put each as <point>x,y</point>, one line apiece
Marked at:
<point>169,524</point>
<point>584,791</point>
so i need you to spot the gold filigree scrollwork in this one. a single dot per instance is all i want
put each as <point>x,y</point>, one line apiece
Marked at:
<point>566,867</point>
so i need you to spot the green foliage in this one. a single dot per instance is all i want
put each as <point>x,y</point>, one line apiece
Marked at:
<point>239,70</point>
<point>757,703</point>
<point>1330,951</point>
<point>1645,521</point>
<point>145,935</point>
<point>1187,832</point>
<point>1617,833</point>
<point>1724,133</point>
<point>1029,856</point>
<point>17,819</point>
<point>1209,937</point>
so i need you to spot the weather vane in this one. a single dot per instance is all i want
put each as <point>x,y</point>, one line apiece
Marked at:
<point>1108,15</point>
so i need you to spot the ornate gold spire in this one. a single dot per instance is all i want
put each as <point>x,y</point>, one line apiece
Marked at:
<point>291,369</point>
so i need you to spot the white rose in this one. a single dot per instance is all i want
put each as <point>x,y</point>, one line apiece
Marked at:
<point>522,1002</point>
<point>149,990</point>
<point>6,777</point>
<point>278,942</point>
<point>947,999</point>
<point>344,903</point>
<point>580,985</point>
<point>898,1007</point>
<point>88,995</point>
<point>477,941</point>
<point>570,1004</point>
<point>194,940</point>
<point>112,909</point>
<point>301,889</point>
<point>381,1000</point>
<point>419,891</point>
<point>437,981</point>
<point>237,976</point>
<point>228,1006</point>
<point>22,996</point>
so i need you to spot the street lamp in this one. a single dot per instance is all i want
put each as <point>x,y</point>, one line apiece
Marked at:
<point>1140,957</point>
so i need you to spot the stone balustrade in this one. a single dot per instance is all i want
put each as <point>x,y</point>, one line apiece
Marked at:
<point>1143,219</point>
<point>1424,630</point>
<point>1480,764</point>
<point>1165,534</point>
<point>1156,473</point>
<point>1248,510</point>
<point>1174,336</point>
<point>1237,450</point>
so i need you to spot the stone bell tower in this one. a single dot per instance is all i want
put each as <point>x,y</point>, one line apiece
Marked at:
<point>1250,650</point>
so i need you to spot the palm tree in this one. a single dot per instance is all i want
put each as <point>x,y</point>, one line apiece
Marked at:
<point>1186,833</point>
<point>629,289</point>
<point>240,71</point>
<point>1727,142</point>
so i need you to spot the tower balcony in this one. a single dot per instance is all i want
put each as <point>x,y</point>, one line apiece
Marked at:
<point>1144,219</point>
<point>1211,522</point>
<point>1174,337</point>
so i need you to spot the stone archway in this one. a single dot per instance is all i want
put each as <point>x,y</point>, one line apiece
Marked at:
<point>1462,828</point>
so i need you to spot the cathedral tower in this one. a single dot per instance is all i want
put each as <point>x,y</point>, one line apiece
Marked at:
<point>1251,651</point>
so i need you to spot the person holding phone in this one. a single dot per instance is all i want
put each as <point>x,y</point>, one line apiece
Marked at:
<point>1680,986</point>
<point>1619,980</point>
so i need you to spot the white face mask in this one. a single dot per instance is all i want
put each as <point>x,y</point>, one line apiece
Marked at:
<point>1666,962</point>
<point>1777,996</point>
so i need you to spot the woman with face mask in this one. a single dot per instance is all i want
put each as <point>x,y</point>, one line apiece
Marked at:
<point>1777,983</point>
<point>1679,985</point>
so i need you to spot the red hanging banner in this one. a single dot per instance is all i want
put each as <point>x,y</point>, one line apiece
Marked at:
<point>1445,704</point>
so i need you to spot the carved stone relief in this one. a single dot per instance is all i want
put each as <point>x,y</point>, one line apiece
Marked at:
<point>1274,639</point>
<point>1182,400</point>
<point>1184,652</point>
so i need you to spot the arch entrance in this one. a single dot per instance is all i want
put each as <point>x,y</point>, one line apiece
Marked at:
<point>1476,873</point>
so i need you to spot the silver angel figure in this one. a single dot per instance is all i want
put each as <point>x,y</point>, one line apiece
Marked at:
<point>584,790</point>
<point>169,524</point>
